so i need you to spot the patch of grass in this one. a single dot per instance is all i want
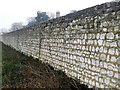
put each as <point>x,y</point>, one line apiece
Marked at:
<point>5,79</point>
<point>8,68</point>
<point>8,65</point>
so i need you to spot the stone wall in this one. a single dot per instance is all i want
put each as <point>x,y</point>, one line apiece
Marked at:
<point>85,44</point>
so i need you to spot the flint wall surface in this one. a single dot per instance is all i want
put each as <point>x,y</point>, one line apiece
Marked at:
<point>85,44</point>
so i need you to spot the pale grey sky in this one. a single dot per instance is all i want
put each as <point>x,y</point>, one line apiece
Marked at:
<point>19,10</point>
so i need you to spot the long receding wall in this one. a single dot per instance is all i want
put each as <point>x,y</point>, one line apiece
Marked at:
<point>85,44</point>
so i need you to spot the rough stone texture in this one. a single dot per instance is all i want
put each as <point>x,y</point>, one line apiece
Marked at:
<point>84,44</point>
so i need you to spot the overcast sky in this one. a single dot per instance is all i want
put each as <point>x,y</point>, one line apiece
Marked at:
<point>19,10</point>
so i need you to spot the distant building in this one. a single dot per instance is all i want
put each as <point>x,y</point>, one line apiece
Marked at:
<point>57,14</point>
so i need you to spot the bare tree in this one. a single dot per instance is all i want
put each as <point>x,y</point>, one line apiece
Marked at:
<point>16,26</point>
<point>72,11</point>
<point>116,0</point>
<point>3,30</point>
<point>51,15</point>
<point>31,21</point>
